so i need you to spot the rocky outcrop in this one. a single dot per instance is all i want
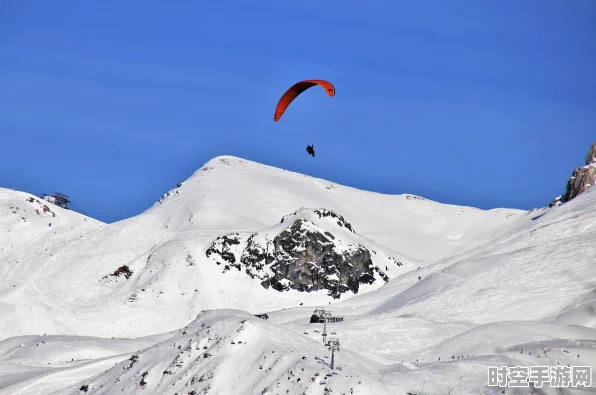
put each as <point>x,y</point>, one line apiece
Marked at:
<point>322,213</point>
<point>308,260</point>
<point>556,201</point>
<point>222,247</point>
<point>303,255</point>
<point>581,179</point>
<point>591,158</point>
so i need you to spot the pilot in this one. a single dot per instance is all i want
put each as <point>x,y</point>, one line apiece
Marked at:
<point>311,150</point>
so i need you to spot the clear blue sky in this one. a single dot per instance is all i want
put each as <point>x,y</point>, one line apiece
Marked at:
<point>481,103</point>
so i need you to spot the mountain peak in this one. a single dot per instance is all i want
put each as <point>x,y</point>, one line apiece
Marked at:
<point>229,193</point>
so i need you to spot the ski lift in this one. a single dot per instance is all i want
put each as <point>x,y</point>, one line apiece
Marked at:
<point>306,332</point>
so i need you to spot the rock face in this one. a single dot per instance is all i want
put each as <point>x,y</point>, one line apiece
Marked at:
<point>323,213</point>
<point>302,254</point>
<point>310,261</point>
<point>582,177</point>
<point>591,158</point>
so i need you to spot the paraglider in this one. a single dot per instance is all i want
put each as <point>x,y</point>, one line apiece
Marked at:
<point>296,90</point>
<point>293,92</point>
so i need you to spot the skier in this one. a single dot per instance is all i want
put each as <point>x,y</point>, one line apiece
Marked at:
<point>311,150</point>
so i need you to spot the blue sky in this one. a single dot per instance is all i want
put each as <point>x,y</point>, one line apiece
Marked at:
<point>480,103</point>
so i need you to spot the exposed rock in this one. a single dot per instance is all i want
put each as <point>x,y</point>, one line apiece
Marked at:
<point>556,201</point>
<point>304,256</point>
<point>591,158</point>
<point>322,213</point>
<point>168,194</point>
<point>123,270</point>
<point>222,247</point>
<point>310,261</point>
<point>581,179</point>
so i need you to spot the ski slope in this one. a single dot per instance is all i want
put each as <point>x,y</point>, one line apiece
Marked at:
<point>502,287</point>
<point>543,273</point>
<point>71,290</point>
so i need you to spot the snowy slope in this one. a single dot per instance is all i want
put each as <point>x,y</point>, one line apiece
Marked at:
<point>29,226</point>
<point>232,352</point>
<point>171,277</point>
<point>532,290</point>
<point>230,193</point>
<point>28,247</point>
<point>526,297</point>
<point>76,292</point>
<point>38,364</point>
<point>544,272</point>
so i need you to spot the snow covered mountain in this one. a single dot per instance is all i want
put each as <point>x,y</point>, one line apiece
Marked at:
<point>230,193</point>
<point>156,264</point>
<point>475,289</point>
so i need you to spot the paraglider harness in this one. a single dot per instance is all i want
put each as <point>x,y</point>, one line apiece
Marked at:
<point>311,150</point>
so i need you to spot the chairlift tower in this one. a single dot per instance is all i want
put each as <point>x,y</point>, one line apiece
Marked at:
<point>333,346</point>
<point>325,315</point>
<point>319,314</point>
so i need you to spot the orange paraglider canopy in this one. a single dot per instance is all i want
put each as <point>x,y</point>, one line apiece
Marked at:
<point>297,89</point>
